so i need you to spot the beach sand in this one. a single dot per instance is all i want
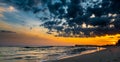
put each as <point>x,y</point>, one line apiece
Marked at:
<point>111,54</point>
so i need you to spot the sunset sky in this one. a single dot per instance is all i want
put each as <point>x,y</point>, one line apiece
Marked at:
<point>22,25</point>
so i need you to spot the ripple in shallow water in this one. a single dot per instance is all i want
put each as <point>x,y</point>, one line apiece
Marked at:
<point>21,54</point>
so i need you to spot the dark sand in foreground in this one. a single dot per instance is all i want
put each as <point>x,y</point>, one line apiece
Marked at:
<point>111,54</point>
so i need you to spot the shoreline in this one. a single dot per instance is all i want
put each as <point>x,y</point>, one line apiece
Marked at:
<point>74,55</point>
<point>110,54</point>
<point>83,53</point>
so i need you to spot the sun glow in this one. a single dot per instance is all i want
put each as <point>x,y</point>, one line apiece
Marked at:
<point>98,40</point>
<point>41,33</point>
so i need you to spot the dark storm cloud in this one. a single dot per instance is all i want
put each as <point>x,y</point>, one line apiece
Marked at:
<point>6,31</point>
<point>71,18</point>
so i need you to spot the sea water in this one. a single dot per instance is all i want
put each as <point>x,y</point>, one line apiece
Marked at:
<point>40,54</point>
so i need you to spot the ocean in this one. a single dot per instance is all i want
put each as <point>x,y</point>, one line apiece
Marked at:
<point>41,54</point>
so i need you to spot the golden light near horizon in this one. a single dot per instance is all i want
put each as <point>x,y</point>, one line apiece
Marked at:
<point>41,33</point>
<point>102,40</point>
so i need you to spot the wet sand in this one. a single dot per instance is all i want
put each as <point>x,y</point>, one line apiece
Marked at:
<point>111,54</point>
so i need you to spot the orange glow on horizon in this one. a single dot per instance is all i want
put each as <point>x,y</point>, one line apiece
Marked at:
<point>102,40</point>
<point>40,32</point>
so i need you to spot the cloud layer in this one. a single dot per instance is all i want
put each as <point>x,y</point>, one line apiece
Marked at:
<point>74,18</point>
